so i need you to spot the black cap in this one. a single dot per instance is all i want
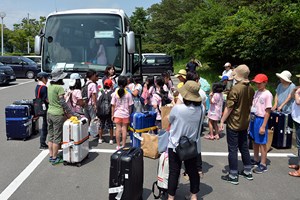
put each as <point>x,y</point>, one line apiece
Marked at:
<point>42,75</point>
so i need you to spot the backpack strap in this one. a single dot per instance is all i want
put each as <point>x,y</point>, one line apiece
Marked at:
<point>160,192</point>
<point>39,91</point>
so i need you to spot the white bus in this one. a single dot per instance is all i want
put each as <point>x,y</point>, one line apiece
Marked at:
<point>71,39</point>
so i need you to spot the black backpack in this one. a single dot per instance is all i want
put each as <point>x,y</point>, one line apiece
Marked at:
<point>104,104</point>
<point>164,98</point>
<point>84,93</point>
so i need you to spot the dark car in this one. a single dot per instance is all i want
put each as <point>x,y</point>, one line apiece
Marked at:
<point>36,59</point>
<point>7,74</point>
<point>23,67</point>
<point>157,63</point>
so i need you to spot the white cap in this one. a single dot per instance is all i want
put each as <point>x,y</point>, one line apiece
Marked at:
<point>73,78</point>
<point>227,64</point>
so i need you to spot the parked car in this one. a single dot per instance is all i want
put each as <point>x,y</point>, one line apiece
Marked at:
<point>23,67</point>
<point>36,59</point>
<point>157,63</point>
<point>7,74</point>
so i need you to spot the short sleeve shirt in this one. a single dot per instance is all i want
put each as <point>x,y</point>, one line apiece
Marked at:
<point>121,104</point>
<point>54,91</point>
<point>92,89</point>
<point>215,110</point>
<point>76,95</point>
<point>282,94</point>
<point>261,101</point>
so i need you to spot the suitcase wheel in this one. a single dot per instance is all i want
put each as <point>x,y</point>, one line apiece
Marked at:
<point>78,164</point>
<point>65,163</point>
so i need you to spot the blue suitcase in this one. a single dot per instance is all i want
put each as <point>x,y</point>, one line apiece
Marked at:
<point>18,122</point>
<point>282,124</point>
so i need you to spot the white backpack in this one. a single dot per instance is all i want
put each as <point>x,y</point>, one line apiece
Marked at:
<point>162,176</point>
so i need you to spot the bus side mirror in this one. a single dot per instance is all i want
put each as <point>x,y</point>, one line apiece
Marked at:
<point>37,45</point>
<point>130,42</point>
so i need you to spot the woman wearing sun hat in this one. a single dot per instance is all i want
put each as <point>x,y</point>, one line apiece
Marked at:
<point>56,113</point>
<point>283,98</point>
<point>182,124</point>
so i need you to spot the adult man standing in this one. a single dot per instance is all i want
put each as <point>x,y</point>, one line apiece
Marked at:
<point>192,65</point>
<point>236,113</point>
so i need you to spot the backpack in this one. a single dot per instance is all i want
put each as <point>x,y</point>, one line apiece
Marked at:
<point>84,93</point>
<point>164,99</point>
<point>162,176</point>
<point>103,104</point>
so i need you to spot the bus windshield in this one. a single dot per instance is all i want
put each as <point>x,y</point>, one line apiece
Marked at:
<point>78,42</point>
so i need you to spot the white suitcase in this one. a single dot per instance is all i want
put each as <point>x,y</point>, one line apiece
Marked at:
<point>75,140</point>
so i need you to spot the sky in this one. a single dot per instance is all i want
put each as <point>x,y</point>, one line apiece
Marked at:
<point>16,10</point>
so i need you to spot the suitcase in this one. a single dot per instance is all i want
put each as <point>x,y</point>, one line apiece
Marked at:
<point>18,122</point>
<point>25,102</point>
<point>282,124</point>
<point>126,174</point>
<point>75,141</point>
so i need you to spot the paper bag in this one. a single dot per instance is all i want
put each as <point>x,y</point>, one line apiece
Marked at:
<point>149,144</point>
<point>165,111</point>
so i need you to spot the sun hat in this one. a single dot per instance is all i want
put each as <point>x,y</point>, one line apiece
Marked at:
<point>73,79</point>
<point>57,74</point>
<point>190,91</point>
<point>224,78</point>
<point>108,82</point>
<point>227,64</point>
<point>285,75</point>
<point>298,75</point>
<point>42,75</point>
<point>241,73</point>
<point>260,78</point>
<point>182,73</point>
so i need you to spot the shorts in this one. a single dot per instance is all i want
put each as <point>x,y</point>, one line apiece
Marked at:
<point>118,120</point>
<point>55,128</point>
<point>255,124</point>
<point>105,122</point>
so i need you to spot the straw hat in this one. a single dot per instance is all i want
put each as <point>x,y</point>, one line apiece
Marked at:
<point>190,91</point>
<point>285,75</point>
<point>182,73</point>
<point>241,73</point>
<point>57,74</point>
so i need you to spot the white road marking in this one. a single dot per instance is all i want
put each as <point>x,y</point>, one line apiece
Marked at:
<point>18,84</point>
<point>15,184</point>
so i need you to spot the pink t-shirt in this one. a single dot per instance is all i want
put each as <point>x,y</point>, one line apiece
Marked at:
<point>215,109</point>
<point>261,101</point>
<point>92,89</point>
<point>76,95</point>
<point>156,100</point>
<point>121,104</point>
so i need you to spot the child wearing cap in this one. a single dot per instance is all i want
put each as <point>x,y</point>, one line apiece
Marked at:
<point>73,96</point>
<point>283,98</point>
<point>258,129</point>
<point>104,110</point>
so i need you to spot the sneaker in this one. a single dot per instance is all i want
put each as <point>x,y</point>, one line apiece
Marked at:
<point>50,159</point>
<point>118,147</point>
<point>57,160</point>
<point>246,176</point>
<point>234,181</point>
<point>43,147</point>
<point>111,142</point>
<point>100,141</point>
<point>260,169</point>
<point>255,163</point>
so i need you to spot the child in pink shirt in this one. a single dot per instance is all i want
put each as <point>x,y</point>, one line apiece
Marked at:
<point>215,111</point>
<point>121,108</point>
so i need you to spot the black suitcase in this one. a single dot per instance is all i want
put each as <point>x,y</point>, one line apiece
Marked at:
<point>126,170</point>
<point>283,129</point>
<point>18,122</point>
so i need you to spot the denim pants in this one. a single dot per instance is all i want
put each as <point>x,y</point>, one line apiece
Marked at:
<point>297,126</point>
<point>44,131</point>
<point>174,173</point>
<point>237,140</point>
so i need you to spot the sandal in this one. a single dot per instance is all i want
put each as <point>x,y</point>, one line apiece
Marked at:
<point>295,173</point>
<point>209,137</point>
<point>217,137</point>
<point>296,167</point>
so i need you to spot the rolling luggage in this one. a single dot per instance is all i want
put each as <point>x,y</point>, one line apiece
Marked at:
<point>18,122</point>
<point>282,124</point>
<point>140,123</point>
<point>126,174</point>
<point>75,141</point>
<point>25,102</point>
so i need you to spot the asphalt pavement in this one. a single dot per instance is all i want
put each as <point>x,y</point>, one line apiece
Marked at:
<point>25,172</point>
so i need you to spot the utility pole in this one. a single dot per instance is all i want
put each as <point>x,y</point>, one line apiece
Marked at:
<point>28,46</point>
<point>2,15</point>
